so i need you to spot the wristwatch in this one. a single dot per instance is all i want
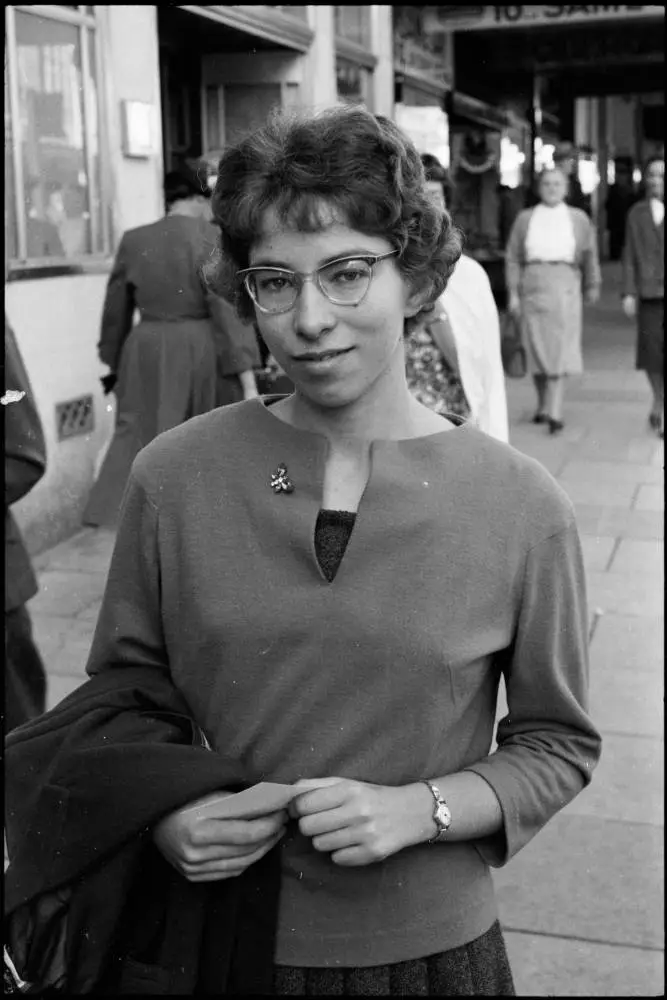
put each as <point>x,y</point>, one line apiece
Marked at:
<point>442,816</point>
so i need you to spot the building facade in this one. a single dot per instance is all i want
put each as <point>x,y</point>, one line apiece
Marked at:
<point>100,101</point>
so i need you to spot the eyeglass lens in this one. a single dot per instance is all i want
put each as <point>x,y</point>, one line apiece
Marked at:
<point>343,282</point>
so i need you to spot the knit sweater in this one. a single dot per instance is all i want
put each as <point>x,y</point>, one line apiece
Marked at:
<point>464,561</point>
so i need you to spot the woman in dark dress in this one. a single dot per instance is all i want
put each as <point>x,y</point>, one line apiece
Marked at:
<point>187,353</point>
<point>644,284</point>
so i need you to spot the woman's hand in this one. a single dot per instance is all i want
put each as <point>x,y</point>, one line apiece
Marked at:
<point>514,305</point>
<point>591,296</point>
<point>209,850</point>
<point>359,823</point>
<point>629,306</point>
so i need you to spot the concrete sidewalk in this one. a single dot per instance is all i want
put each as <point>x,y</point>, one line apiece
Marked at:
<point>582,904</point>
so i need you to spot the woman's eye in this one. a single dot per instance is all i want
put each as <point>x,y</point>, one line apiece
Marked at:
<point>275,284</point>
<point>347,276</point>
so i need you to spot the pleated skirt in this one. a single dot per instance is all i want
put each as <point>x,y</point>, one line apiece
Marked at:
<point>480,968</point>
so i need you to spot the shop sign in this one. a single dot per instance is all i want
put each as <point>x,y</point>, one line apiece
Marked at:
<point>483,17</point>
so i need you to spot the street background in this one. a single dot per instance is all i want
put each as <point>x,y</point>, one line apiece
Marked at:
<point>582,905</point>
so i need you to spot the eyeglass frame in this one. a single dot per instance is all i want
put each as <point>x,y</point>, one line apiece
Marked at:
<point>302,277</point>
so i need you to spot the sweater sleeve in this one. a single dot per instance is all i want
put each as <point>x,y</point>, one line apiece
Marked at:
<point>629,257</point>
<point>118,311</point>
<point>129,627</point>
<point>514,254</point>
<point>547,744</point>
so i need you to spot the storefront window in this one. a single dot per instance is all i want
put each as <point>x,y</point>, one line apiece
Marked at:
<point>294,10</point>
<point>54,123</point>
<point>353,25</point>
<point>352,82</point>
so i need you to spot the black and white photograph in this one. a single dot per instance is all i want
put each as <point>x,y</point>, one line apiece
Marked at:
<point>334,500</point>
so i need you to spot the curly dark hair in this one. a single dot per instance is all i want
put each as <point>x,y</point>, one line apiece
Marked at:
<point>358,165</point>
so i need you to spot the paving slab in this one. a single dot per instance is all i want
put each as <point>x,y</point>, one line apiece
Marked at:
<point>89,551</point>
<point>636,556</point>
<point>64,643</point>
<point>611,472</point>
<point>603,448</point>
<point>588,491</point>
<point>615,593</point>
<point>630,644</point>
<point>66,592</point>
<point>595,519</point>
<point>597,551</point>
<point>650,498</point>
<point>560,967</point>
<point>624,700</point>
<point>59,687</point>
<point>584,877</point>
<point>627,784</point>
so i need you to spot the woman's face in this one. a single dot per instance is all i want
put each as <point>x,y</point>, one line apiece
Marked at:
<point>655,179</point>
<point>334,353</point>
<point>553,188</point>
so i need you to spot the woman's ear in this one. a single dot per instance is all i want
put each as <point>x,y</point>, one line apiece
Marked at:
<point>414,302</point>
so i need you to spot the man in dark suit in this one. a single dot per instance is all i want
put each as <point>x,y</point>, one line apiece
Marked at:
<point>25,464</point>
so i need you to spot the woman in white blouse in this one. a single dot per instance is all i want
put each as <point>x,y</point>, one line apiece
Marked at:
<point>551,265</point>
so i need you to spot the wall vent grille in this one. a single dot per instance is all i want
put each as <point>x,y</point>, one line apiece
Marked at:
<point>76,416</point>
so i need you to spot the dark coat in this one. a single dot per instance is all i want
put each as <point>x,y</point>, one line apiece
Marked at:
<point>644,254</point>
<point>179,361</point>
<point>25,464</point>
<point>157,270</point>
<point>90,904</point>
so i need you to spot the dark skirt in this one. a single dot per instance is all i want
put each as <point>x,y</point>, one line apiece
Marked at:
<point>167,374</point>
<point>651,336</point>
<point>480,968</point>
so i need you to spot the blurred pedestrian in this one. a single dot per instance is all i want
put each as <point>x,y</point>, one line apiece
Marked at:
<point>551,256</point>
<point>352,516</point>
<point>25,464</point>
<point>644,280</point>
<point>453,355</point>
<point>621,197</point>
<point>175,363</point>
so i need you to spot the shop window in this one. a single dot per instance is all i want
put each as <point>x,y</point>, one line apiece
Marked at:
<point>53,192</point>
<point>353,25</point>
<point>294,10</point>
<point>352,82</point>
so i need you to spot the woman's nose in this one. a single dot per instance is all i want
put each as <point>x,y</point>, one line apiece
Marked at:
<point>313,313</point>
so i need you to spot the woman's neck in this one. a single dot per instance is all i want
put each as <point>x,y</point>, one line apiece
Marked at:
<point>184,207</point>
<point>386,411</point>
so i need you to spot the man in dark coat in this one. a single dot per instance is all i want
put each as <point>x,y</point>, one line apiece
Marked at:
<point>25,464</point>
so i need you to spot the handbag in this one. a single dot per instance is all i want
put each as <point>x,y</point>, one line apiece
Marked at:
<point>512,350</point>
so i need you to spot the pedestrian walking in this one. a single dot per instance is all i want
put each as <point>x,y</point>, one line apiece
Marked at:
<point>173,364</point>
<point>25,464</point>
<point>644,284</point>
<point>335,580</point>
<point>551,264</point>
<point>620,199</point>
<point>453,354</point>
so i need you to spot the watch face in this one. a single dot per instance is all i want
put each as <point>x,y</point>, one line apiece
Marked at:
<point>443,816</point>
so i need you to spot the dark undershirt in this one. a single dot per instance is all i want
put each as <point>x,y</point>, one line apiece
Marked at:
<point>332,533</point>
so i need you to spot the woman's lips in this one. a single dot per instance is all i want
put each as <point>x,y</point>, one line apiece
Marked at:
<point>322,360</point>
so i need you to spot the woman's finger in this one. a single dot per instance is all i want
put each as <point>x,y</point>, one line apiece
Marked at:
<point>226,866</point>
<point>324,822</point>
<point>336,841</point>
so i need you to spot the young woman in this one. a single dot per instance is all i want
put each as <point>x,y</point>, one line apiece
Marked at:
<point>551,265</point>
<point>335,581</point>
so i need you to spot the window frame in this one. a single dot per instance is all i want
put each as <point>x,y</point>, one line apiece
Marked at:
<point>361,56</point>
<point>93,107</point>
